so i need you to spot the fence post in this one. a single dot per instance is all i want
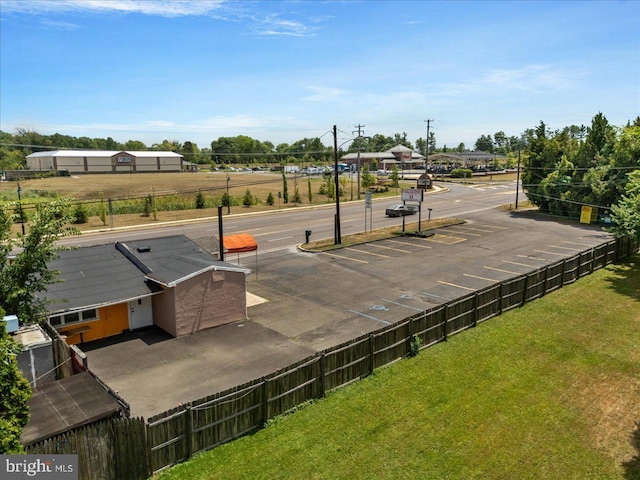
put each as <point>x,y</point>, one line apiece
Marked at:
<point>475,310</point>
<point>546,278</point>
<point>322,370</point>
<point>444,323</point>
<point>524,289</point>
<point>501,294</point>
<point>265,400</point>
<point>188,430</point>
<point>564,266</point>
<point>371,354</point>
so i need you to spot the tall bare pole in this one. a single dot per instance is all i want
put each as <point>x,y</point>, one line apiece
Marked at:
<point>360,132</point>
<point>426,147</point>
<point>337,236</point>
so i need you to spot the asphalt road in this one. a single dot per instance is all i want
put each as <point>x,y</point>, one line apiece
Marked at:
<point>309,301</point>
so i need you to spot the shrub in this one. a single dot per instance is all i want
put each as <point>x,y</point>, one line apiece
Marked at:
<point>199,201</point>
<point>270,199</point>
<point>461,173</point>
<point>80,214</point>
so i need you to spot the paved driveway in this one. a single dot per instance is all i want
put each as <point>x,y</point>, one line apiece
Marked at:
<point>305,302</point>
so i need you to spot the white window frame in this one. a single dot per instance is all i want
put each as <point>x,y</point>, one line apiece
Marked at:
<point>84,316</point>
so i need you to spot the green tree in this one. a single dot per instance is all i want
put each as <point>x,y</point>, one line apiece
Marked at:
<point>625,214</point>
<point>199,201</point>
<point>80,214</point>
<point>285,189</point>
<point>395,177</point>
<point>310,193</point>
<point>366,178</point>
<point>27,274</point>
<point>270,199</point>
<point>14,394</point>
<point>248,199</point>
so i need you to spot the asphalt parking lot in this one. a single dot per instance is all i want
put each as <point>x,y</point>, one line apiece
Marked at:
<point>303,302</point>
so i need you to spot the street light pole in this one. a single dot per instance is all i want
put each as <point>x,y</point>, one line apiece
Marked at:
<point>20,207</point>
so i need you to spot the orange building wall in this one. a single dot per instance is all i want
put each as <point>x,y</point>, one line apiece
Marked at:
<point>113,320</point>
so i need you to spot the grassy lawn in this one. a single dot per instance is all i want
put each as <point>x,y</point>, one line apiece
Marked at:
<point>547,391</point>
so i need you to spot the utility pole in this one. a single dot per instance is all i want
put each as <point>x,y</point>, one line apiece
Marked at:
<point>337,236</point>
<point>360,132</point>
<point>426,147</point>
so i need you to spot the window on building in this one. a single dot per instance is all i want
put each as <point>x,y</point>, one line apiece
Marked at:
<point>74,317</point>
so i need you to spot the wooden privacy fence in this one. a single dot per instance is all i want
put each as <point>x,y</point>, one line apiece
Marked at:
<point>131,449</point>
<point>176,435</point>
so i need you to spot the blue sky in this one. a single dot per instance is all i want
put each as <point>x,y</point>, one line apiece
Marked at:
<point>280,71</point>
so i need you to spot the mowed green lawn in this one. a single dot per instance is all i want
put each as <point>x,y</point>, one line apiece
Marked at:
<point>547,391</point>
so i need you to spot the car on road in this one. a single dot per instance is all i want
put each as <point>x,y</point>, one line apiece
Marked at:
<point>401,210</point>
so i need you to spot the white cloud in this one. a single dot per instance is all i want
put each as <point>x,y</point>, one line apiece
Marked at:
<point>167,8</point>
<point>325,94</point>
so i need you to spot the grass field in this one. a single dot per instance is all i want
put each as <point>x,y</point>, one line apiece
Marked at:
<point>547,391</point>
<point>175,194</point>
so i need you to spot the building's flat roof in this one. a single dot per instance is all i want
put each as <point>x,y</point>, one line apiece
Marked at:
<point>59,406</point>
<point>101,153</point>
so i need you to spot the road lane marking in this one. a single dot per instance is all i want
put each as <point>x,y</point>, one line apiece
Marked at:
<point>403,305</point>
<point>458,286</point>
<point>371,317</point>
<point>495,227</point>
<point>346,258</point>
<point>520,264</point>
<point>389,248</point>
<point>500,270</point>
<point>480,278</point>
<point>367,253</point>
<point>281,238</point>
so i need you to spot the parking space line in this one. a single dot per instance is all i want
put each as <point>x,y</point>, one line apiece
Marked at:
<point>410,243</point>
<point>577,243</point>
<point>495,227</point>
<point>369,316</point>
<point>367,253</point>
<point>480,278</point>
<point>550,253</point>
<point>500,270</point>
<point>528,257</point>
<point>439,238</point>
<point>464,233</point>
<point>389,248</point>
<point>434,295</point>
<point>520,264</point>
<point>346,258</point>
<point>567,248</point>
<point>465,227</point>
<point>458,286</point>
<point>403,305</point>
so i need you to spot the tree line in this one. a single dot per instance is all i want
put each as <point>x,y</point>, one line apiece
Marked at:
<point>240,149</point>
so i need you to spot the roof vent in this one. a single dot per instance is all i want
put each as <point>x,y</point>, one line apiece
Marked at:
<point>143,249</point>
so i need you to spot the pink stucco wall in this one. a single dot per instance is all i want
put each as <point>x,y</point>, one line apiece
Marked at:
<point>209,300</point>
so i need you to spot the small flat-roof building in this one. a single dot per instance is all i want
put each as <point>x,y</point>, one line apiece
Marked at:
<point>104,161</point>
<point>170,282</point>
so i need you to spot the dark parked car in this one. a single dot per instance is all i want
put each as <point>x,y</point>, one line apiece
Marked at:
<point>401,210</point>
